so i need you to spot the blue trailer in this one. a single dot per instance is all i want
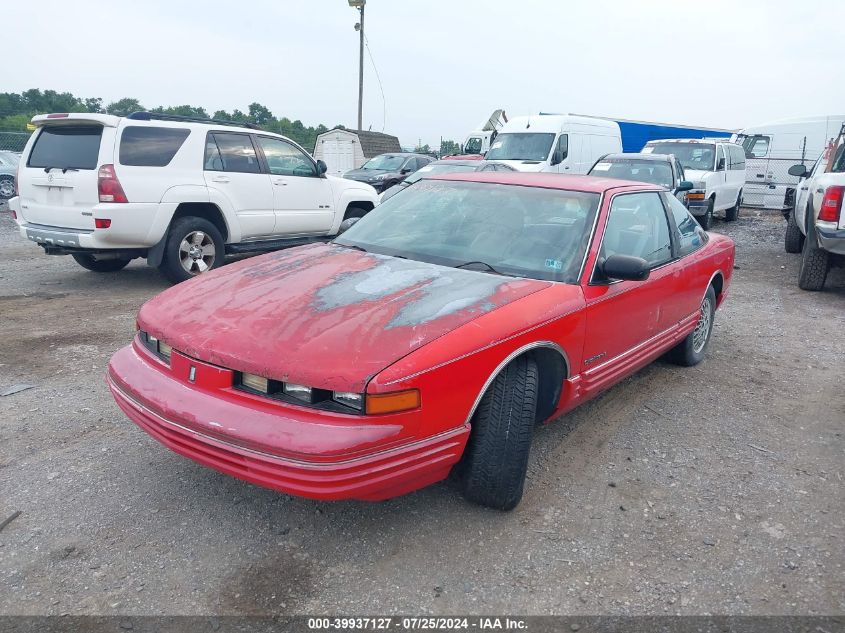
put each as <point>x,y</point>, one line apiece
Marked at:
<point>635,134</point>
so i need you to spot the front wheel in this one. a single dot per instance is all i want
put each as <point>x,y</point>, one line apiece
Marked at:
<point>496,458</point>
<point>733,213</point>
<point>193,246</point>
<point>99,265</point>
<point>815,262</point>
<point>691,350</point>
<point>706,220</point>
<point>793,240</point>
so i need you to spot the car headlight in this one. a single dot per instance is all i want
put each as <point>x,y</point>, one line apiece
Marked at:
<point>256,383</point>
<point>300,392</point>
<point>349,399</point>
<point>381,177</point>
<point>155,345</point>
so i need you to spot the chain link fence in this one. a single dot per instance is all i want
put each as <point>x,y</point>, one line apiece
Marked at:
<point>768,184</point>
<point>13,141</point>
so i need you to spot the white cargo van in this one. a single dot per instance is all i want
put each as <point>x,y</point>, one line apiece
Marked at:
<point>558,143</point>
<point>772,148</point>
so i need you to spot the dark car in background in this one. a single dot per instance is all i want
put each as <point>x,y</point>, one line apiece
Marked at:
<point>385,170</point>
<point>657,169</point>
<point>444,166</point>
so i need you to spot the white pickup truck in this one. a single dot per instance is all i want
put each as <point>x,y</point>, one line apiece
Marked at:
<point>178,191</point>
<point>821,222</point>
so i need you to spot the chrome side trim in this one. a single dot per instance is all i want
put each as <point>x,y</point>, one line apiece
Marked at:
<point>517,352</point>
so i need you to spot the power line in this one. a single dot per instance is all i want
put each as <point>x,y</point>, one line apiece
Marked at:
<point>383,100</point>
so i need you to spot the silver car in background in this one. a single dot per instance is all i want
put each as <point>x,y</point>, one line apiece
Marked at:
<point>8,172</point>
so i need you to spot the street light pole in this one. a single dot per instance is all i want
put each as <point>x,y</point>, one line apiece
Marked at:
<point>359,4</point>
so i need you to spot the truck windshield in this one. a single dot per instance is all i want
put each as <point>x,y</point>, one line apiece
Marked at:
<point>699,156</point>
<point>521,146</point>
<point>473,145</point>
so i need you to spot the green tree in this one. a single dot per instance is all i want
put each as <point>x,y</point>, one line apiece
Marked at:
<point>94,104</point>
<point>124,106</point>
<point>197,112</point>
<point>260,115</point>
<point>449,147</point>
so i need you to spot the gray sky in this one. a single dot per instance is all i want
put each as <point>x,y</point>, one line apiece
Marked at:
<point>444,64</point>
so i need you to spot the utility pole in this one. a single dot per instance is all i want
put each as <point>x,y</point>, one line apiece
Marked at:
<point>359,4</point>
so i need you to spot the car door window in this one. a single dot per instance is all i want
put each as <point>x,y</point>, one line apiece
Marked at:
<point>226,151</point>
<point>688,232</point>
<point>638,226</point>
<point>738,158</point>
<point>411,165</point>
<point>756,146</point>
<point>562,148</point>
<point>285,159</point>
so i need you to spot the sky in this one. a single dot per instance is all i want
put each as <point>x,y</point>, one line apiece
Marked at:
<point>444,65</point>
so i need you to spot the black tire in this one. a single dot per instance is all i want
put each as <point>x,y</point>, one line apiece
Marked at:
<point>100,265</point>
<point>7,187</point>
<point>815,262</point>
<point>706,220</point>
<point>793,239</point>
<point>356,212</point>
<point>496,458</point>
<point>181,230</point>
<point>733,213</point>
<point>690,351</point>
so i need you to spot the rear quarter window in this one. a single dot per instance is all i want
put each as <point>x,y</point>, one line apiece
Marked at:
<point>66,147</point>
<point>143,146</point>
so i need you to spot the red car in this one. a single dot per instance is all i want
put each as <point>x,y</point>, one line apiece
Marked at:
<point>431,336</point>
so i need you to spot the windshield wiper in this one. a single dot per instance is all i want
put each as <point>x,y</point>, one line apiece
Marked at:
<point>355,246</point>
<point>487,267</point>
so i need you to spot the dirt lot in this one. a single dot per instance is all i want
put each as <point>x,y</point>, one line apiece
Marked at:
<point>717,489</point>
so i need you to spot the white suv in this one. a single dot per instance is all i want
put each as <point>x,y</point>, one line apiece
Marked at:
<point>716,168</point>
<point>180,192</point>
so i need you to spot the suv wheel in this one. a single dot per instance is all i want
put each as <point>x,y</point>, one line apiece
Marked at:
<point>99,265</point>
<point>815,262</point>
<point>355,212</point>
<point>194,245</point>
<point>793,240</point>
<point>7,187</point>
<point>496,458</point>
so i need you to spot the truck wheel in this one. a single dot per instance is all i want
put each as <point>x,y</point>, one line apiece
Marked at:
<point>706,220</point>
<point>496,458</point>
<point>355,212</point>
<point>793,239</point>
<point>7,187</point>
<point>193,246</point>
<point>733,213</point>
<point>99,265</point>
<point>691,350</point>
<point>815,262</point>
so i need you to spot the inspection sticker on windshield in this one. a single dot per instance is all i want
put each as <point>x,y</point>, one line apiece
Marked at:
<point>601,167</point>
<point>554,264</point>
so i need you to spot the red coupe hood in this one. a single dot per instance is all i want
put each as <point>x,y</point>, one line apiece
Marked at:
<point>322,315</point>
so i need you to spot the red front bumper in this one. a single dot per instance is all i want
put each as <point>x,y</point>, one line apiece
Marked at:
<point>223,433</point>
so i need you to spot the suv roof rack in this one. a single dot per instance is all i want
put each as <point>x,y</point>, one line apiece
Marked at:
<point>160,116</point>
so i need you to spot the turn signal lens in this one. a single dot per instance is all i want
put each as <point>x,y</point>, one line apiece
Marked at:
<point>695,196</point>
<point>393,402</point>
<point>258,383</point>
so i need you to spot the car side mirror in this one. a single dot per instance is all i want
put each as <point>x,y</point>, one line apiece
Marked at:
<point>720,166</point>
<point>321,167</point>
<point>405,170</point>
<point>684,185</point>
<point>557,159</point>
<point>346,225</point>
<point>798,170</point>
<point>626,268</point>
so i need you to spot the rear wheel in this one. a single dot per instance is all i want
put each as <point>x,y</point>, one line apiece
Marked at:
<point>691,350</point>
<point>793,240</point>
<point>815,262</point>
<point>496,458</point>
<point>733,213</point>
<point>7,187</point>
<point>100,265</point>
<point>193,246</point>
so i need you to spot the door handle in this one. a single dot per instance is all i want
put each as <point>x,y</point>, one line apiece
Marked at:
<point>280,183</point>
<point>220,179</point>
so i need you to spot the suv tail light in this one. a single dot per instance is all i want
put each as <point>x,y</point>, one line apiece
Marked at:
<point>108,186</point>
<point>832,204</point>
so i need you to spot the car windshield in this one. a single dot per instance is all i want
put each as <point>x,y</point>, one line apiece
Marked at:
<point>699,156</point>
<point>385,161</point>
<point>521,146</point>
<point>655,172</point>
<point>473,145</point>
<point>495,228</point>
<point>446,167</point>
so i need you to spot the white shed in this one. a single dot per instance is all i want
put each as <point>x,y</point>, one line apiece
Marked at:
<point>343,150</point>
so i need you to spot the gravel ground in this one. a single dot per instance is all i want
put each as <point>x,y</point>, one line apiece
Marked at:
<point>716,489</point>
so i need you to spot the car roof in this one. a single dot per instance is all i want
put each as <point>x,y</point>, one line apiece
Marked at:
<point>637,156</point>
<point>458,163</point>
<point>589,184</point>
<point>707,141</point>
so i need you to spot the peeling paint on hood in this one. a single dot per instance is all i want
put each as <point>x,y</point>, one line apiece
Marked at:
<point>323,315</point>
